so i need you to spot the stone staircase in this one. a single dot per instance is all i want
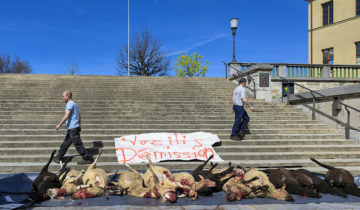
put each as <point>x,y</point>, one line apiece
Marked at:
<point>112,106</point>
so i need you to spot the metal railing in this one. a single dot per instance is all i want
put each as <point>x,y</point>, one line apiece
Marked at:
<point>249,78</point>
<point>312,92</point>
<point>311,70</point>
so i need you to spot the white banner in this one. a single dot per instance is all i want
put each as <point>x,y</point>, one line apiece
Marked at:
<point>166,146</point>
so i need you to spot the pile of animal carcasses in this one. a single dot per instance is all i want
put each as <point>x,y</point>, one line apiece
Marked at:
<point>159,183</point>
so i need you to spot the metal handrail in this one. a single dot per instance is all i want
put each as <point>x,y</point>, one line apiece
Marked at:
<point>347,126</point>
<point>250,78</point>
<point>226,65</point>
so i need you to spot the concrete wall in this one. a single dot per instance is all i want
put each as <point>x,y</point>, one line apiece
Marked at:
<point>328,116</point>
<point>314,84</point>
<point>341,35</point>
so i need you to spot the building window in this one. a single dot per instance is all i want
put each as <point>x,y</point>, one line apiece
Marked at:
<point>328,13</point>
<point>357,7</point>
<point>328,56</point>
<point>358,53</point>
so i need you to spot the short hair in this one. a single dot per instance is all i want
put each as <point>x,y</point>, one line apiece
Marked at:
<point>68,93</point>
<point>242,80</point>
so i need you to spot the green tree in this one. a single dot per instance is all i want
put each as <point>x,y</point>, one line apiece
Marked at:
<point>191,65</point>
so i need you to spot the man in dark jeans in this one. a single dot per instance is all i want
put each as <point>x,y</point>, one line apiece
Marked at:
<point>241,117</point>
<point>73,121</point>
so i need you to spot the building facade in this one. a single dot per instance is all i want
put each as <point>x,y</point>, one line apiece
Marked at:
<point>334,31</point>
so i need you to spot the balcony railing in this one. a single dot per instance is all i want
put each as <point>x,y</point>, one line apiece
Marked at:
<point>311,70</point>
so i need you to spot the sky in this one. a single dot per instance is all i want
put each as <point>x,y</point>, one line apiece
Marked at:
<point>52,34</point>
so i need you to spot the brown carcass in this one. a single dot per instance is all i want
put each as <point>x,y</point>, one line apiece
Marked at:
<point>341,178</point>
<point>262,187</point>
<point>282,177</point>
<point>95,180</point>
<point>318,183</point>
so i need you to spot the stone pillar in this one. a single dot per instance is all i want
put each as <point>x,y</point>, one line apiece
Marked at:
<point>282,71</point>
<point>262,76</point>
<point>326,71</point>
<point>233,69</point>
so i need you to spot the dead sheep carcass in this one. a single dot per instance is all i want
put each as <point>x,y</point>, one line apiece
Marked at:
<point>132,183</point>
<point>161,178</point>
<point>186,179</point>
<point>95,180</point>
<point>72,180</point>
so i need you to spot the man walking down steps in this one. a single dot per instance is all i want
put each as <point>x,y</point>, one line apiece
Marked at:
<point>73,122</point>
<point>241,117</point>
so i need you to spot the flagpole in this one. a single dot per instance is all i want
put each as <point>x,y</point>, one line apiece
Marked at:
<point>128,37</point>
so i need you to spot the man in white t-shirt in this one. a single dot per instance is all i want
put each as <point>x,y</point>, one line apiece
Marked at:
<point>241,117</point>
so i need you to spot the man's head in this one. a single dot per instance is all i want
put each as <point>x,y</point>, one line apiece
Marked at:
<point>242,82</point>
<point>67,95</point>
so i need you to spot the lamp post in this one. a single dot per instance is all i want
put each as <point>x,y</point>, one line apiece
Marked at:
<point>234,24</point>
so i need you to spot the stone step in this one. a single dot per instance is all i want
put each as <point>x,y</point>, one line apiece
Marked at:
<point>135,103</point>
<point>169,122</point>
<point>11,167</point>
<point>261,164</point>
<point>154,130</point>
<point>90,107</point>
<point>290,155</point>
<point>144,96</point>
<point>226,151</point>
<point>110,142</point>
<point>58,101</point>
<point>138,113</point>
<point>288,148</point>
<point>140,108</point>
<point>98,137</point>
<point>156,117</point>
<point>114,106</point>
<point>199,97</point>
<point>85,112</point>
<point>168,126</point>
<point>106,86</point>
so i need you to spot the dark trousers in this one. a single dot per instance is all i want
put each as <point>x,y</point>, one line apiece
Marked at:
<point>241,120</point>
<point>73,137</point>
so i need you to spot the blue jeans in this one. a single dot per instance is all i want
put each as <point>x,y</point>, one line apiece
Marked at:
<point>241,120</point>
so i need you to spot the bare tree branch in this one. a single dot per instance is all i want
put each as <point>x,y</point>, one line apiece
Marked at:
<point>146,57</point>
<point>72,68</point>
<point>14,67</point>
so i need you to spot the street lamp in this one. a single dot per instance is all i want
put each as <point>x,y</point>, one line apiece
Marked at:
<point>234,24</point>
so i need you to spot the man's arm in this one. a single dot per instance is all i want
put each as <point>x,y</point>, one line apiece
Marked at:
<point>245,101</point>
<point>79,118</point>
<point>66,116</point>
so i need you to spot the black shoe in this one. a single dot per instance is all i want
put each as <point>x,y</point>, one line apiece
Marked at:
<point>236,138</point>
<point>241,134</point>
<point>88,160</point>
<point>247,131</point>
<point>57,159</point>
<point>83,162</point>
